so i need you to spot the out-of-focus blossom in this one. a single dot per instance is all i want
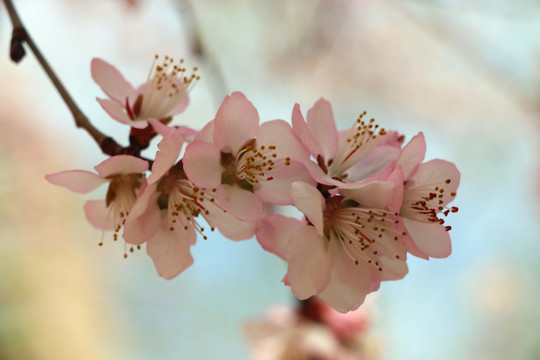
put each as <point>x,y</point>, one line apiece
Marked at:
<point>125,175</point>
<point>246,163</point>
<point>343,157</point>
<point>162,96</point>
<point>321,334</point>
<point>166,215</point>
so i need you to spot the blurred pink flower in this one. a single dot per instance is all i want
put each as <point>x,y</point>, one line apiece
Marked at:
<point>246,163</point>
<point>288,334</point>
<point>124,173</point>
<point>164,95</point>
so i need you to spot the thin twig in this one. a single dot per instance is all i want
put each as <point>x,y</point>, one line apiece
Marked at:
<point>20,35</point>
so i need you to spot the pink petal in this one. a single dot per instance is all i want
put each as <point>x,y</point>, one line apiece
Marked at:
<point>430,238</point>
<point>144,217</point>
<point>393,269</point>
<point>320,121</point>
<point>349,283</point>
<point>237,122</point>
<point>373,164</point>
<point>274,232</point>
<point>111,81</point>
<point>412,155</point>
<point>374,194</point>
<point>310,202</point>
<point>277,190</point>
<point>170,250</point>
<point>79,181</point>
<point>117,112</point>
<point>169,149</point>
<point>206,134</point>
<point>99,215</point>
<point>161,128</point>
<point>301,130</point>
<point>228,225</point>
<point>437,172</point>
<point>121,164</point>
<point>279,134</point>
<point>181,106</point>
<point>240,203</point>
<point>310,262</point>
<point>202,164</point>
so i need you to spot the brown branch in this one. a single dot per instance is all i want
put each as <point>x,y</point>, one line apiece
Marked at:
<point>108,145</point>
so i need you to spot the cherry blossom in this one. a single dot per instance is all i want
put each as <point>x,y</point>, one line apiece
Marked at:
<point>343,157</point>
<point>125,176</point>
<point>352,242</point>
<point>166,215</point>
<point>246,163</point>
<point>162,96</point>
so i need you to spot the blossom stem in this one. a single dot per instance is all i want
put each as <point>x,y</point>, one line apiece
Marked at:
<point>20,35</point>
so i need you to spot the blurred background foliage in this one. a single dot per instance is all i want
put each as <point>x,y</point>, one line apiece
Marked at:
<point>466,73</point>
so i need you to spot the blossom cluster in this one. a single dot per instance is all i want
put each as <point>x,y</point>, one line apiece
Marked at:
<point>366,200</point>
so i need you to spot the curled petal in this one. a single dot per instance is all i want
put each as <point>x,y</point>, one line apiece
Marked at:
<point>310,262</point>
<point>170,250</point>
<point>111,81</point>
<point>240,203</point>
<point>99,215</point>
<point>121,164</point>
<point>202,164</point>
<point>237,122</point>
<point>310,202</point>
<point>79,181</point>
<point>274,232</point>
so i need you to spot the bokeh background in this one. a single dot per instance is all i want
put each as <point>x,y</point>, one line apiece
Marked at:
<point>466,73</point>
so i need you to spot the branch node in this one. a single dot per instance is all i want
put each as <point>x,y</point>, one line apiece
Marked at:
<point>16,51</point>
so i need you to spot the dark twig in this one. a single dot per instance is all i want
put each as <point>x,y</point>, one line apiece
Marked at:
<point>108,145</point>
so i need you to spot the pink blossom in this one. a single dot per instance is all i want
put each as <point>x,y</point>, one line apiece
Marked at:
<point>428,188</point>
<point>125,175</point>
<point>353,242</point>
<point>162,96</point>
<point>349,156</point>
<point>166,215</point>
<point>287,334</point>
<point>246,163</point>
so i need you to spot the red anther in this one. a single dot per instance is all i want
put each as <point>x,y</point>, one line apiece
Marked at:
<point>269,178</point>
<point>446,212</point>
<point>454,209</point>
<point>432,195</point>
<point>447,228</point>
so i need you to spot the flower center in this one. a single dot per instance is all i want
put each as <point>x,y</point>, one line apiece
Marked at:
<point>167,87</point>
<point>360,140</point>
<point>120,198</point>
<point>365,234</point>
<point>425,203</point>
<point>252,165</point>
<point>184,202</point>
